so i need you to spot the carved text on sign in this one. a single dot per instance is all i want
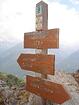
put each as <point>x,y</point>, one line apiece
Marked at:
<point>45,39</point>
<point>46,89</point>
<point>40,63</point>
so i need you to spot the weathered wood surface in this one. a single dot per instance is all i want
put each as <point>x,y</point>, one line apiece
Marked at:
<point>46,89</point>
<point>69,83</point>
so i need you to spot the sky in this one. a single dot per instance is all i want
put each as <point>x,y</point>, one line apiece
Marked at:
<point>18,17</point>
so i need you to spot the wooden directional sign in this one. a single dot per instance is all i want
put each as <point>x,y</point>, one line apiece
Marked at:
<point>48,90</point>
<point>40,63</point>
<point>42,40</point>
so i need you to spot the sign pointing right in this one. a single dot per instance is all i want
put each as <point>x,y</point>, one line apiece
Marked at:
<point>46,89</point>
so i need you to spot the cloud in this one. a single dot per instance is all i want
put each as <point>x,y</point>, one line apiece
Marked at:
<point>67,19</point>
<point>18,16</point>
<point>53,0</point>
<point>75,1</point>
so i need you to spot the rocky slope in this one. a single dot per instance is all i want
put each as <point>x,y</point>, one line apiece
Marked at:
<point>12,90</point>
<point>76,76</point>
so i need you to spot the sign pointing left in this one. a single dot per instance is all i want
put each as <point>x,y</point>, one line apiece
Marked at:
<point>40,63</point>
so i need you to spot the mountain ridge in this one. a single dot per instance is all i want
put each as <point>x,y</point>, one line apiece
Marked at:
<point>71,63</point>
<point>8,59</point>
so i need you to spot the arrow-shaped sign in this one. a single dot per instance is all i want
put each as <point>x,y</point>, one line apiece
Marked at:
<point>42,40</point>
<point>46,89</point>
<point>40,63</point>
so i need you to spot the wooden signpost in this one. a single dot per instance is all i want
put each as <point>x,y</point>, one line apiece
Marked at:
<point>42,39</point>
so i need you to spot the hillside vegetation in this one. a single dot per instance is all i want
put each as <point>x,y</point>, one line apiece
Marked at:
<point>12,90</point>
<point>11,80</point>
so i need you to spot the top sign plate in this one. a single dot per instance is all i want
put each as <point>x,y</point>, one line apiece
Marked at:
<point>42,40</point>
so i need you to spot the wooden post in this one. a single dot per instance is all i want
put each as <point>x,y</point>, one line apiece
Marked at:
<point>37,51</point>
<point>42,25</point>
